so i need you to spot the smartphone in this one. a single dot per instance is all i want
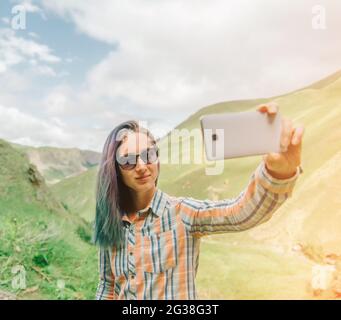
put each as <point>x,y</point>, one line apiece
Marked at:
<point>240,134</point>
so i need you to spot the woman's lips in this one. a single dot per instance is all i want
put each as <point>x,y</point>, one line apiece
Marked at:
<point>143,178</point>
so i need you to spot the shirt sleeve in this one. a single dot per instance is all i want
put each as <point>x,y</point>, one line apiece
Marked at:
<point>255,205</point>
<point>105,288</point>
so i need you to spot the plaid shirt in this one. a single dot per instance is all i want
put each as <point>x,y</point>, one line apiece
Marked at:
<point>161,253</point>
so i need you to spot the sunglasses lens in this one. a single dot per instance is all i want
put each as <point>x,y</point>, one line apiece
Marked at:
<point>152,155</point>
<point>149,155</point>
<point>127,162</point>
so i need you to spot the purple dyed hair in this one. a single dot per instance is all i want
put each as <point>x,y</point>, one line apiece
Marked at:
<point>112,196</point>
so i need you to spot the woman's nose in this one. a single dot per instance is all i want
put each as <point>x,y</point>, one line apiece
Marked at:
<point>140,164</point>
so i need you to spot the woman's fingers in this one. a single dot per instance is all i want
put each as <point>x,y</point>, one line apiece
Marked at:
<point>269,108</point>
<point>289,134</point>
<point>286,134</point>
<point>297,136</point>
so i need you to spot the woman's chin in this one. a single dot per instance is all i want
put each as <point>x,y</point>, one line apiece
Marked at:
<point>143,185</point>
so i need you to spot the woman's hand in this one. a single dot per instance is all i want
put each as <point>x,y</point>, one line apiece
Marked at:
<point>283,165</point>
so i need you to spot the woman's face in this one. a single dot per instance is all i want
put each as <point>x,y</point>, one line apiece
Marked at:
<point>135,143</point>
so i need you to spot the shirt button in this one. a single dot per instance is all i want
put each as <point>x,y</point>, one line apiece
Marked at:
<point>132,277</point>
<point>131,253</point>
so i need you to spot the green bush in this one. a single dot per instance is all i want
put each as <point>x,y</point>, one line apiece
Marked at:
<point>40,260</point>
<point>85,233</point>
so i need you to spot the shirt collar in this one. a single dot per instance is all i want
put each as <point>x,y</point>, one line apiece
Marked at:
<point>158,202</point>
<point>156,205</point>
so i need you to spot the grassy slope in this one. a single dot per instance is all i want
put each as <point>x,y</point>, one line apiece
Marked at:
<point>249,271</point>
<point>313,214</point>
<point>301,219</point>
<point>78,193</point>
<point>40,235</point>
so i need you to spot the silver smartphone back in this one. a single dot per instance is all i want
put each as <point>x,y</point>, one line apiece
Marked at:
<point>240,134</point>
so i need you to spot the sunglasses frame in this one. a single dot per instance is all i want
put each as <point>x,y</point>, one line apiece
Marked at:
<point>126,165</point>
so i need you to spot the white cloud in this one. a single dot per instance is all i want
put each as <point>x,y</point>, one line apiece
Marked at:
<point>45,71</point>
<point>159,128</point>
<point>5,20</point>
<point>20,127</point>
<point>15,124</point>
<point>13,85</point>
<point>57,102</point>
<point>33,35</point>
<point>182,55</point>
<point>13,82</point>
<point>15,50</point>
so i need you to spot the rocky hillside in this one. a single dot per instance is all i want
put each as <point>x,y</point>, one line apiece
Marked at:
<point>56,164</point>
<point>42,243</point>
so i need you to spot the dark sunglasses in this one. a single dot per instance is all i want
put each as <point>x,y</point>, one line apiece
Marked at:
<point>129,161</point>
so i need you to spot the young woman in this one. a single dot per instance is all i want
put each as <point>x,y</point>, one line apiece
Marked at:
<point>149,241</point>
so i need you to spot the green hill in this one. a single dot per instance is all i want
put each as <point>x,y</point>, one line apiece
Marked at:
<point>40,239</point>
<point>313,215</point>
<point>56,164</point>
<point>82,201</point>
<point>258,263</point>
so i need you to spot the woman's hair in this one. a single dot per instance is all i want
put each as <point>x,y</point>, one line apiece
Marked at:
<point>112,195</point>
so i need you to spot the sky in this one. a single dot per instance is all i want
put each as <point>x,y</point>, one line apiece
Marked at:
<point>70,71</point>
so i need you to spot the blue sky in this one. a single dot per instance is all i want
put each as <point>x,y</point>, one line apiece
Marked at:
<point>81,67</point>
<point>62,37</point>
